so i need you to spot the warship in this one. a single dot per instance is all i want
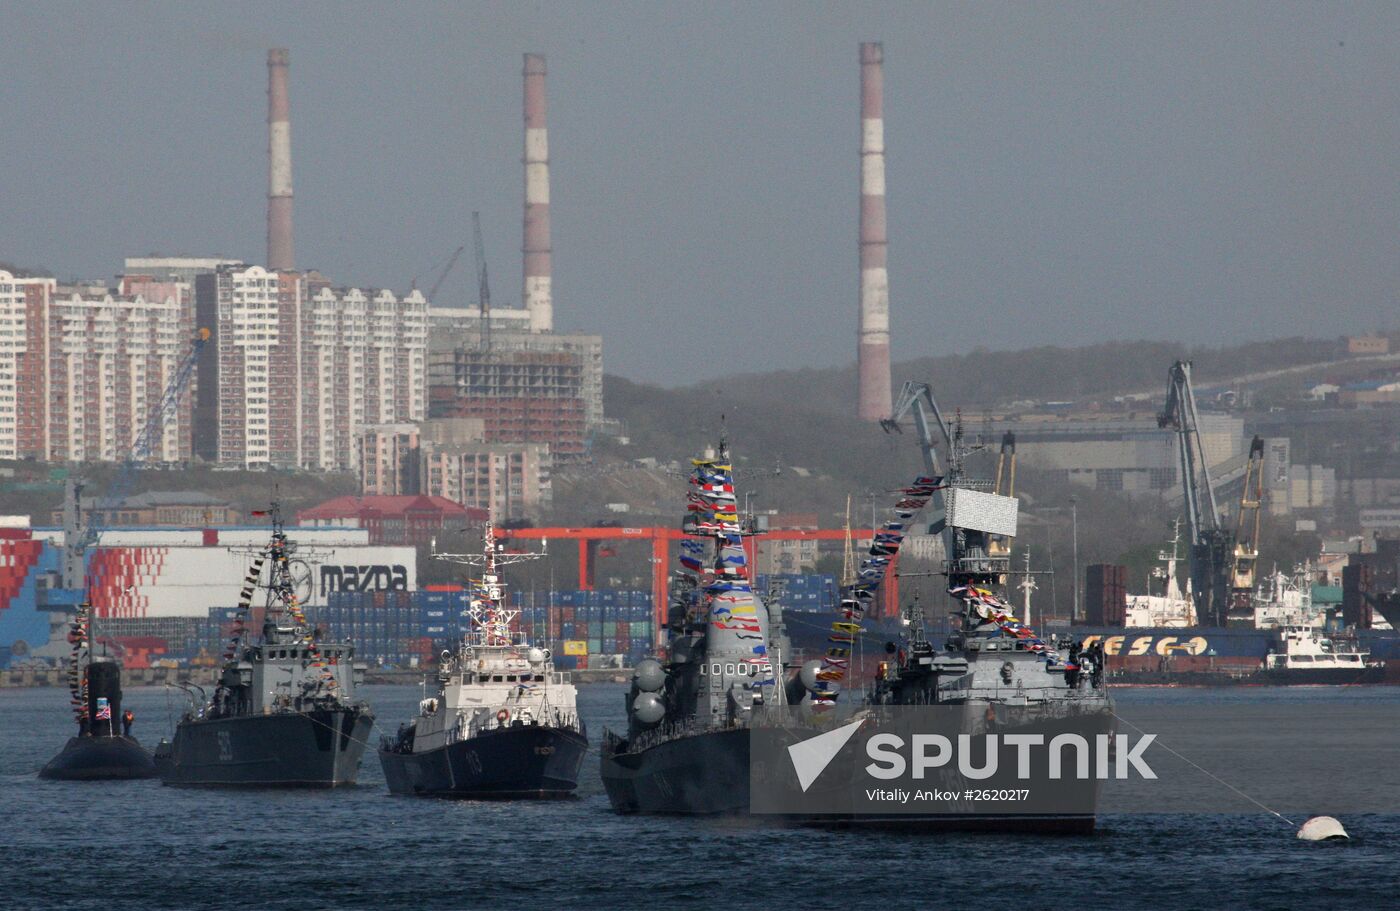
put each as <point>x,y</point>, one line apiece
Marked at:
<point>1002,675</point>
<point>686,747</point>
<point>504,723</point>
<point>283,713</point>
<point>103,749</point>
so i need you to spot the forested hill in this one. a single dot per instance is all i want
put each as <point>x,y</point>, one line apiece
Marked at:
<point>982,377</point>
<point>805,418</point>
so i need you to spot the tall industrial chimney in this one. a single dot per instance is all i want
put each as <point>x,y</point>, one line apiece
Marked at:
<point>279,164</point>
<point>873,354</point>
<point>538,292</point>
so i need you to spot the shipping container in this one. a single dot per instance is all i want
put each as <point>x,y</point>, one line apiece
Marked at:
<point>1105,594</point>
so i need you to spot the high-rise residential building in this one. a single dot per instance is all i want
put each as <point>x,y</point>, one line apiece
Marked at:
<point>23,343</point>
<point>172,287</point>
<point>363,361</point>
<point>298,367</point>
<point>255,318</point>
<point>82,368</point>
<point>388,459</point>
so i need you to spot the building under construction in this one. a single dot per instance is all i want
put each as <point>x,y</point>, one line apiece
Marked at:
<point>522,396</point>
<point>453,328</point>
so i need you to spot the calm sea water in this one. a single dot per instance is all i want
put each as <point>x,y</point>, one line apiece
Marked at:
<point>139,845</point>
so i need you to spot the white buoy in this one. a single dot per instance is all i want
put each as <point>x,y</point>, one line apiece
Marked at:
<point>1322,828</point>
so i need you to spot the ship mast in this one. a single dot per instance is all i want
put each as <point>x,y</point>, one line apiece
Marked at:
<point>490,619</point>
<point>848,558</point>
<point>1027,585</point>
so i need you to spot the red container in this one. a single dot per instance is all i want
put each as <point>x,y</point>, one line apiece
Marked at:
<point>1105,594</point>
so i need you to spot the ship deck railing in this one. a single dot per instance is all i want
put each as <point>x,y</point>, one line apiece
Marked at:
<point>980,566</point>
<point>484,721</point>
<point>662,734</point>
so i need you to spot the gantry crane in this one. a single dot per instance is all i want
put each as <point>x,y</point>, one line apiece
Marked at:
<point>1243,573</point>
<point>1005,486</point>
<point>1211,555</point>
<point>917,399</point>
<point>961,544</point>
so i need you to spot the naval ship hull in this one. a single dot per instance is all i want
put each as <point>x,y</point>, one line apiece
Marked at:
<point>315,749</point>
<point>106,758</point>
<point>705,774</point>
<point>513,763</point>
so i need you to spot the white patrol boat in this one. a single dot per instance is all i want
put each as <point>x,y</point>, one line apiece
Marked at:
<point>504,723</point>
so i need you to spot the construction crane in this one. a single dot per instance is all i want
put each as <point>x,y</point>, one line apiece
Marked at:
<point>1211,553</point>
<point>80,536</point>
<point>446,270</point>
<point>1243,574</point>
<point>483,285</point>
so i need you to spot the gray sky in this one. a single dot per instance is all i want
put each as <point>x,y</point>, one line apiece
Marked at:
<point>1058,172</point>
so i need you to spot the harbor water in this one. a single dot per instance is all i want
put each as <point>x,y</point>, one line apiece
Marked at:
<point>140,845</point>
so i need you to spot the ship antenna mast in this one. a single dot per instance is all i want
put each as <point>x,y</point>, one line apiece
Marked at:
<point>490,618</point>
<point>848,558</point>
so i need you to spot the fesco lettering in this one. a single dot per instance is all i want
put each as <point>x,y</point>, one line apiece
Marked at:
<point>1145,645</point>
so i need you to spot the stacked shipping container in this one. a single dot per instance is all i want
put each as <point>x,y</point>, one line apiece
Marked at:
<point>409,629</point>
<point>1105,594</point>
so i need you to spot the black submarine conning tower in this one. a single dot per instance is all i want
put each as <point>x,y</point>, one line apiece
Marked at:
<point>104,677</point>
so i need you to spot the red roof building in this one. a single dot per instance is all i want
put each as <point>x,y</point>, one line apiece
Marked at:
<point>394,520</point>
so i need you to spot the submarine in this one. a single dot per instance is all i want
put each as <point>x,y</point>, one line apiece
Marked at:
<point>100,751</point>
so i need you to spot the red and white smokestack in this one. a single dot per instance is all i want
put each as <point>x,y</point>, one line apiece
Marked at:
<point>279,164</point>
<point>873,354</point>
<point>538,290</point>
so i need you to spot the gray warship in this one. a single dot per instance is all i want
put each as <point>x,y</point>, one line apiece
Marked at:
<point>692,716</point>
<point>1005,677</point>
<point>283,713</point>
<point>686,747</point>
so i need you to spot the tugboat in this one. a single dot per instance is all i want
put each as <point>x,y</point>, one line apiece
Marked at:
<point>686,748</point>
<point>283,713</point>
<point>103,750</point>
<point>504,723</point>
<point>1307,657</point>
